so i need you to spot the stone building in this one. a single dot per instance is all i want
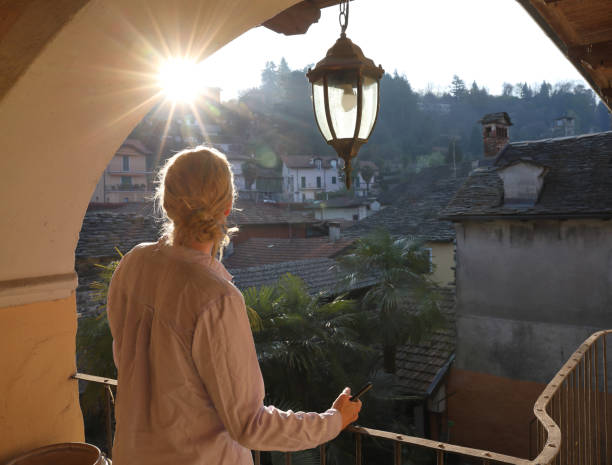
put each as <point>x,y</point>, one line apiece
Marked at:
<point>534,274</point>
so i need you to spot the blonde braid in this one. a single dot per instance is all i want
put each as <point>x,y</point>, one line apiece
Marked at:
<point>195,189</point>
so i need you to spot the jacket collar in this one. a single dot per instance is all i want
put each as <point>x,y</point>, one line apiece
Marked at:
<point>190,255</point>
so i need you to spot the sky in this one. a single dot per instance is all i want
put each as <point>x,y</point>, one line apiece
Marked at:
<point>489,41</point>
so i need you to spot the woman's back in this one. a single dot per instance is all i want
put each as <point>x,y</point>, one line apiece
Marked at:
<point>163,413</point>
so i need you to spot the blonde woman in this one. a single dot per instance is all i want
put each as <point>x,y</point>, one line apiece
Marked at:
<point>190,388</point>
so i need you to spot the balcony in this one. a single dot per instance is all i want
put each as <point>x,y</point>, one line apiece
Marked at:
<point>571,418</point>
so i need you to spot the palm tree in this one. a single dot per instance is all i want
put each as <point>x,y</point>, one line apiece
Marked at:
<point>403,304</point>
<point>308,346</point>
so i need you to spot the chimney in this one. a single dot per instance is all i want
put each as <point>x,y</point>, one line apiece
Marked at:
<point>495,133</point>
<point>334,231</point>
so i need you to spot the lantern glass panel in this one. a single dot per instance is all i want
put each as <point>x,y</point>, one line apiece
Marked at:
<point>369,106</point>
<point>342,93</point>
<point>318,95</point>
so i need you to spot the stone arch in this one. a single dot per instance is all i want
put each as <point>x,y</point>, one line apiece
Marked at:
<point>75,78</point>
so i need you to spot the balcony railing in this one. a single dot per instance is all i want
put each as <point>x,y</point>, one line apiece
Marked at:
<point>572,418</point>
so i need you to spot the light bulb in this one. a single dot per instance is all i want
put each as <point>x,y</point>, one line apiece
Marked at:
<point>349,98</point>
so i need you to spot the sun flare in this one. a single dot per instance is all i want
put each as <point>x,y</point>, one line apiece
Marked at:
<point>181,80</point>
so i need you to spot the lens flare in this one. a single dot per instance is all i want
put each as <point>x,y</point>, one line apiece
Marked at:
<point>181,80</point>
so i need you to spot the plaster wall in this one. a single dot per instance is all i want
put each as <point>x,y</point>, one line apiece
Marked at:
<point>491,412</point>
<point>39,403</point>
<point>75,79</point>
<point>522,182</point>
<point>84,89</point>
<point>443,259</point>
<point>337,213</point>
<point>528,293</point>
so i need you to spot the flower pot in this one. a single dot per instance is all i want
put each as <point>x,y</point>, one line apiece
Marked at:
<point>68,453</point>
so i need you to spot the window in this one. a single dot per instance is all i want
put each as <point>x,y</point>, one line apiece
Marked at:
<point>355,217</point>
<point>319,181</point>
<point>126,163</point>
<point>333,179</point>
<point>303,182</point>
<point>333,163</point>
<point>126,180</point>
<point>487,131</point>
<point>318,163</point>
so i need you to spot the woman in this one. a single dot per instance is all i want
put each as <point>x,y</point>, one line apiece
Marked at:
<point>190,388</point>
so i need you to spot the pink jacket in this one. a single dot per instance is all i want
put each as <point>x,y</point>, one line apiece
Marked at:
<point>190,388</point>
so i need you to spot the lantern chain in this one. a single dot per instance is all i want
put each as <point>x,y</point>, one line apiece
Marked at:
<point>343,18</point>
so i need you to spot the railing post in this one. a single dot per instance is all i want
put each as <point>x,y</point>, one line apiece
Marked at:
<point>596,393</point>
<point>357,449</point>
<point>397,453</point>
<point>605,378</point>
<point>109,424</point>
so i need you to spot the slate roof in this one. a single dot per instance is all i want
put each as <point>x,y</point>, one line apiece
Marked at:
<point>319,274</point>
<point>250,212</point>
<point>416,204</point>
<point>500,117</point>
<point>260,251</point>
<point>421,366</point>
<point>102,231</point>
<point>578,182</point>
<point>307,161</point>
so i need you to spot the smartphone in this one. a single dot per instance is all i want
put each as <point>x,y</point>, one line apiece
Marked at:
<point>361,392</point>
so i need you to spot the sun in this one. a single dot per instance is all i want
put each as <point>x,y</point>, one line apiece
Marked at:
<point>181,80</point>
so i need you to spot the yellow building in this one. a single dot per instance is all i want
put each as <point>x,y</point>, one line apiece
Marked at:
<point>126,178</point>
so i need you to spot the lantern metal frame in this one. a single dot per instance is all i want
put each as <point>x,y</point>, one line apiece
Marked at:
<point>347,58</point>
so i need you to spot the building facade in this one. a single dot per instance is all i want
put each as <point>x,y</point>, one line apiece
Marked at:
<point>126,178</point>
<point>534,255</point>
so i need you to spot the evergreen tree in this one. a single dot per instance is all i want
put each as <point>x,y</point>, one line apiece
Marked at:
<point>457,87</point>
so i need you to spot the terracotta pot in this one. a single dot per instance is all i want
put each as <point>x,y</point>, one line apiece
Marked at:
<point>68,453</point>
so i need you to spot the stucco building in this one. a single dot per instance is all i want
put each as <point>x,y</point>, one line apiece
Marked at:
<point>534,254</point>
<point>126,178</point>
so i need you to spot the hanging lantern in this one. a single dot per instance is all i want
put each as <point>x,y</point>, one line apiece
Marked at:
<point>345,95</point>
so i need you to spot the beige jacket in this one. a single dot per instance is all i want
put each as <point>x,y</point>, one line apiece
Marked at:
<point>190,388</point>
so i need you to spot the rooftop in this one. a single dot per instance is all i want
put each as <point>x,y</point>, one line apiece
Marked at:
<point>416,204</point>
<point>259,251</point>
<point>421,366</point>
<point>250,212</point>
<point>578,182</point>
<point>501,117</point>
<point>307,161</point>
<point>319,274</point>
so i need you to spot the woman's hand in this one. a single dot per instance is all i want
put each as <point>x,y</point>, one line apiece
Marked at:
<point>349,410</point>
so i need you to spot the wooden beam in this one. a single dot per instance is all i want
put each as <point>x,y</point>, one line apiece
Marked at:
<point>298,18</point>
<point>597,55</point>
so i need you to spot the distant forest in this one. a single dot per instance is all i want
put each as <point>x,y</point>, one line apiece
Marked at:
<point>413,130</point>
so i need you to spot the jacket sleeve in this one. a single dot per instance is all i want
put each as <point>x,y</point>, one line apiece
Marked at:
<point>224,354</point>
